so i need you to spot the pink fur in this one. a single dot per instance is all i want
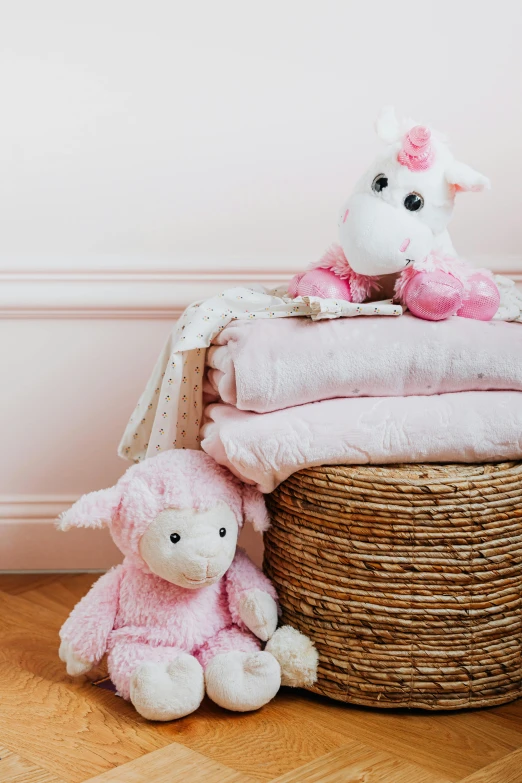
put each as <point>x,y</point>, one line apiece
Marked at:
<point>125,657</point>
<point>92,619</point>
<point>137,616</point>
<point>361,286</point>
<point>96,509</point>
<point>226,641</point>
<point>178,478</point>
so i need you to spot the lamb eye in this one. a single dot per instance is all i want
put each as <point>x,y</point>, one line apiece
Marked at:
<point>223,532</point>
<point>175,537</point>
<point>414,202</point>
<point>379,183</point>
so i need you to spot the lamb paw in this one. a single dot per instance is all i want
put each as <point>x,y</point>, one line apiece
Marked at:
<point>75,665</point>
<point>258,611</point>
<point>242,681</point>
<point>167,691</point>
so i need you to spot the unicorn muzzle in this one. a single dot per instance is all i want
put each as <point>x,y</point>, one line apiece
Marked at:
<point>379,239</point>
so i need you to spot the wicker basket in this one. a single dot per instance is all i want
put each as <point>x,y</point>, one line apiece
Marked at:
<point>407,577</point>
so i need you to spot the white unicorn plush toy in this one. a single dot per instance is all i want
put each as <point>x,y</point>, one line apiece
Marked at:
<point>396,222</point>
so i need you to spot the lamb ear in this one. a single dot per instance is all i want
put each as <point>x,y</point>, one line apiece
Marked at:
<point>96,510</point>
<point>254,509</point>
<point>463,178</point>
<point>387,126</point>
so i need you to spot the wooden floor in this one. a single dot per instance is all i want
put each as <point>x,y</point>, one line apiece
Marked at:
<point>55,729</point>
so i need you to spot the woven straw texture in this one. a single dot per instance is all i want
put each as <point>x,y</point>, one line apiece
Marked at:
<point>408,578</point>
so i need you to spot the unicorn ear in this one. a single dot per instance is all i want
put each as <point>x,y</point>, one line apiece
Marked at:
<point>387,126</point>
<point>254,508</point>
<point>93,510</point>
<point>463,178</point>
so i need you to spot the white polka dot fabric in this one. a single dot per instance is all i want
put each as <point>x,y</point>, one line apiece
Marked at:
<point>169,412</point>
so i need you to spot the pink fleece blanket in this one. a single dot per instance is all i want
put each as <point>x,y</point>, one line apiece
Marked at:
<point>268,365</point>
<point>264,449</point>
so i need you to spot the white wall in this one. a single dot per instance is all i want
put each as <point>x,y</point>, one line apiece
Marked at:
<point>154,152</point>
<point>233,130</point>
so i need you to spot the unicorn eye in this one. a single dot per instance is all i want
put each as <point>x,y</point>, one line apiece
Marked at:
<point>379,183</point>
<point>223,532</point>
<point>414,202</point>
<point>175,537</point>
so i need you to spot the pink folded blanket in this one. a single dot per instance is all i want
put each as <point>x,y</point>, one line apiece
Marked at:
<point>268,365</point>
<point>264,449</point>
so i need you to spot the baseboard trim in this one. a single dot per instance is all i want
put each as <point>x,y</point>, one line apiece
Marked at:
<point>55,571</point>
<point>34,506</point>
<point>30,541</point>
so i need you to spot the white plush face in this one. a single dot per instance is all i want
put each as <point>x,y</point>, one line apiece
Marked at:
<point>397,215</point>
<point>378,233</point>
<point>191,548</point>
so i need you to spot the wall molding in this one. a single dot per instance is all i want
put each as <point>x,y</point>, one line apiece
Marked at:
<point>129,291</point>
<point>46,507</point>
<point>30,541</point>
<point>117,287</point>
<point>123,292</point>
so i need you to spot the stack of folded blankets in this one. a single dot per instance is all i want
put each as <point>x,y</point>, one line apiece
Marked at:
<point>286,394</point>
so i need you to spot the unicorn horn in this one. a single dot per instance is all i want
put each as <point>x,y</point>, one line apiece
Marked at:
<point>416,152</point>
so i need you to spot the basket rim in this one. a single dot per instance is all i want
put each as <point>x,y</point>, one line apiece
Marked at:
<point>460,472</point>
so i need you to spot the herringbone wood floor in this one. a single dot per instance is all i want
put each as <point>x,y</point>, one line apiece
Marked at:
<point>54,729</point>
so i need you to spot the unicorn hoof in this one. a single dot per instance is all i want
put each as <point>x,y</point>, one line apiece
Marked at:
<point>481,299</point>
<point>434,296</point>
<point>322,283</point>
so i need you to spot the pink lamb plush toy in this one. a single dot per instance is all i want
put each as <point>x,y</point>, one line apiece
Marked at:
<point>396,222</point>
<point>185,612</point>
